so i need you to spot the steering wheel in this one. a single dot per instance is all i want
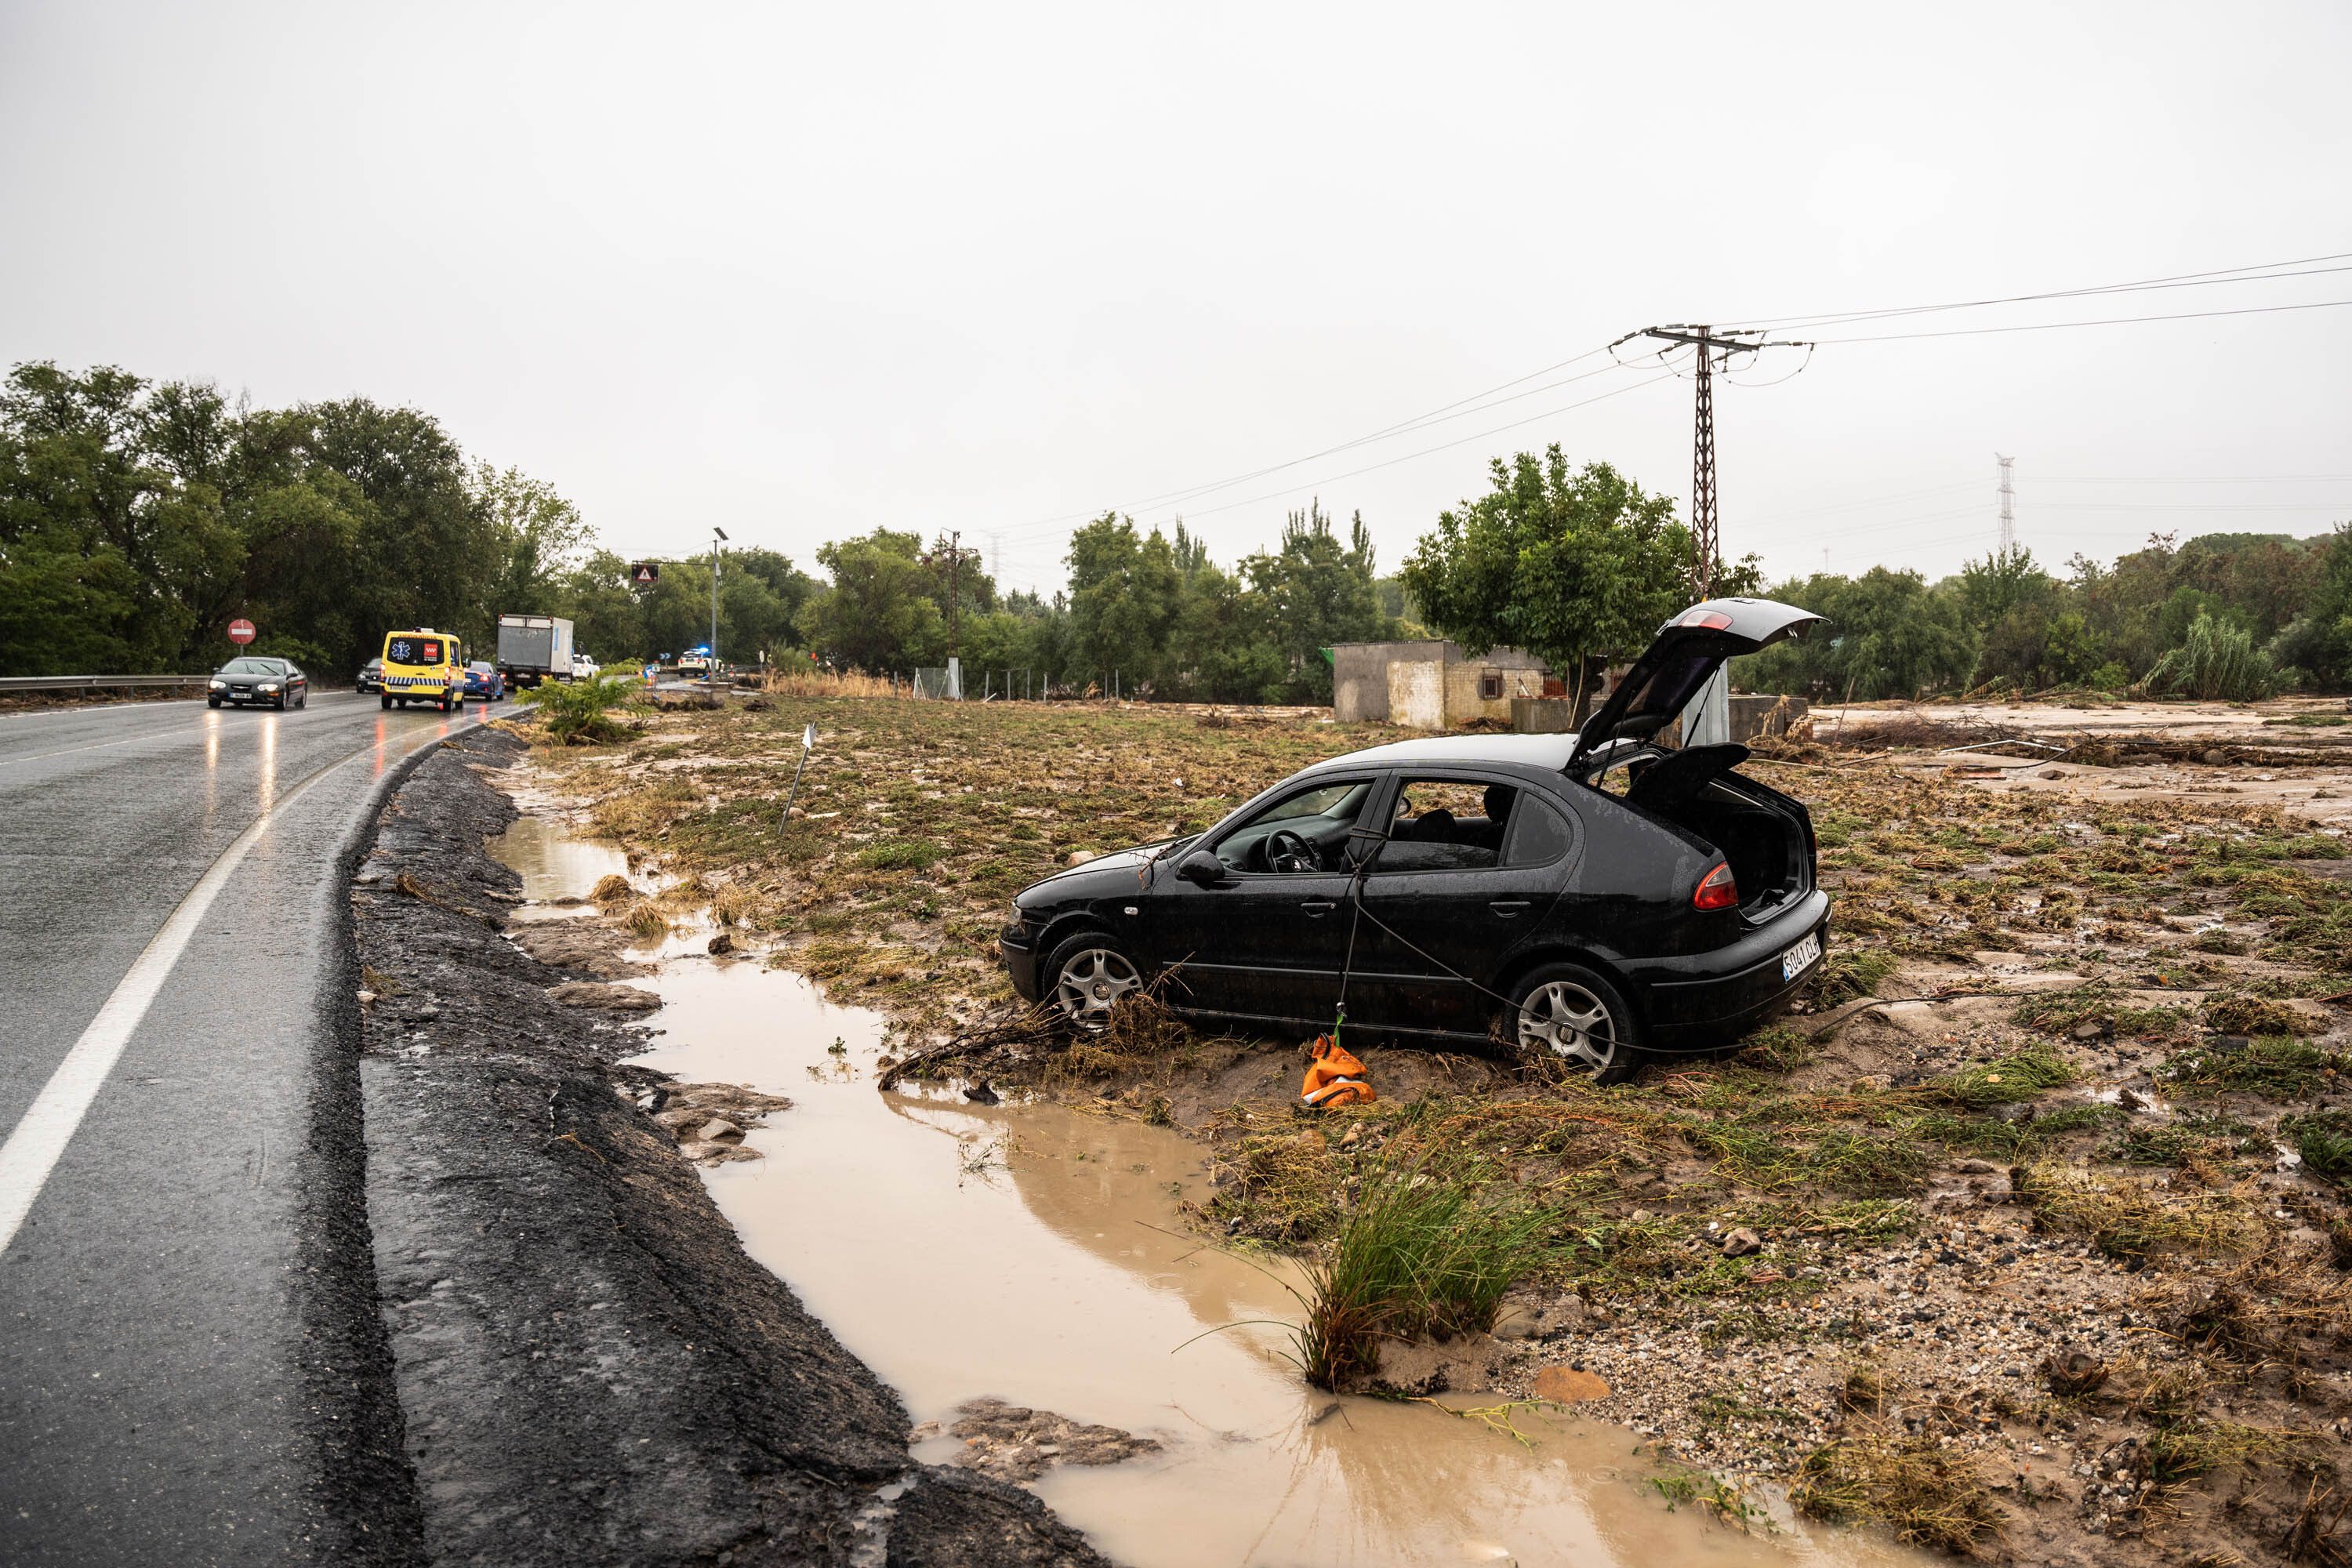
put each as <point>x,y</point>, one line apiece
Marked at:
<point>1288,851</point>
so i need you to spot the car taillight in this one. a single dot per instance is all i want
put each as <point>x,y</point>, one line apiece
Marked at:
<point>1716,891</point>
<point>1709,620</point>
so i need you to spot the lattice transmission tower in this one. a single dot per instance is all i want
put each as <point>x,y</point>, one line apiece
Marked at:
<point>2008,503</point>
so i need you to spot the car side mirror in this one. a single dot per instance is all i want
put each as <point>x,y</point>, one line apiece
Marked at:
<point>1201,868</point>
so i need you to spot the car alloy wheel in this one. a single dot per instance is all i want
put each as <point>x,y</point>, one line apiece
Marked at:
<point>1089,980</point>
<point>1570,1021</point>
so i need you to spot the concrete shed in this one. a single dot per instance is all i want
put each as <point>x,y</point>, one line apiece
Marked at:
<point>1365,685</point>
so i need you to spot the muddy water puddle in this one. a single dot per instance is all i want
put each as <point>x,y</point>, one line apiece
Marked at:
<point>553,865</point>
<point>1035,1254</point>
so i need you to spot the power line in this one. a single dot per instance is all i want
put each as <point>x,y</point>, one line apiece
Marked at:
<point>1456,409</point>
<point>2320,506</point>
<point>1426,451</point>
<point>2264,269</point>
<point>1422,422</point>
<point>2188,478</point>
<point>2102,321</point>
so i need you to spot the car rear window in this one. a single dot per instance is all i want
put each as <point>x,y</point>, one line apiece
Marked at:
<point>414,650</point>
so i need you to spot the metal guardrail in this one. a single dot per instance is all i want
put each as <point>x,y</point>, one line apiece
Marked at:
<point>100,682</point>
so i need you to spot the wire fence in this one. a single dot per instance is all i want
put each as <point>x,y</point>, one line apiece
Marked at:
<point>957,683</point>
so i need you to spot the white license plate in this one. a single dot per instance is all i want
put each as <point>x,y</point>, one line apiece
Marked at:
<point>1799,958</point>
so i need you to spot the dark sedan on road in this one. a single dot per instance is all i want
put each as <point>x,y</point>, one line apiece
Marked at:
<point>258,681</point>
<point>483,682</point>
<point>1587,897</point>
<point>370,678</point>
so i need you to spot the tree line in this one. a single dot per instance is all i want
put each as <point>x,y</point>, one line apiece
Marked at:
<point>2234,615</point>
<point>138,519</point>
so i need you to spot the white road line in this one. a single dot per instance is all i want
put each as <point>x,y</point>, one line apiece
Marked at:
<point>101,745</point>
<point>34,1149</point>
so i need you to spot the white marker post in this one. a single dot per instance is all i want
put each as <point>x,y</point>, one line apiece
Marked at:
<point>808,744</point>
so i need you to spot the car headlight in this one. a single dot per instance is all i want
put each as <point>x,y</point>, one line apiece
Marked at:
<point>270,686</point>
<point>220,685</point>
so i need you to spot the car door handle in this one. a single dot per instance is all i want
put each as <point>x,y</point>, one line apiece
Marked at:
<point>1318,906</point>
<point>1509,908</point>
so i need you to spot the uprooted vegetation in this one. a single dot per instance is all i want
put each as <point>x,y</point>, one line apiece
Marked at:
<point>2056,1145</point>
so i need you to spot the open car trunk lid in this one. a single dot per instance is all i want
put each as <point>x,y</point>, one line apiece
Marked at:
<point>1680,660</point>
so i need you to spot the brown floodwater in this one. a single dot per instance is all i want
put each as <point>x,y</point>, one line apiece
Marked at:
<point>1037,1253</point>
<point>553,863</point>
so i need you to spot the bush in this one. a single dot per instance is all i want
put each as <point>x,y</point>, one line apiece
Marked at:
<point>2216,662</point>
<point>2108,677</point>
<point>574,711</point>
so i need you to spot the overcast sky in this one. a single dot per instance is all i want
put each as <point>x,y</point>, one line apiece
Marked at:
<point>804,270</point>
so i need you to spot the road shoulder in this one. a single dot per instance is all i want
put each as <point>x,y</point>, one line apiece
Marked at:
<point>590,1367</point>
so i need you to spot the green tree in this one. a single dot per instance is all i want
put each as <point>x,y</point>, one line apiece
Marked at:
<point>877,613</point>
<point>1311,593</point>
<point>531,539</point>
<point>1124,596</point>
<point>1573,567</point>
<point>1888,634</point>
<point>2319,640</point>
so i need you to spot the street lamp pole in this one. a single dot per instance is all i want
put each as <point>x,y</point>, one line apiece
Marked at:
<point>710,670</point>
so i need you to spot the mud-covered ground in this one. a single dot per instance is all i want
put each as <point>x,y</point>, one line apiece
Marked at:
<point>589,1369</point>
<point>2024,1240</point>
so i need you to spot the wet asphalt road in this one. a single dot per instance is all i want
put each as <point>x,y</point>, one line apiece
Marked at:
<point>161,1334</point>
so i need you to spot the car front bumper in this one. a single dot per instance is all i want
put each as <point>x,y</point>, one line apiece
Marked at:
<point>1709,1000</point>
<point>1020,956</point>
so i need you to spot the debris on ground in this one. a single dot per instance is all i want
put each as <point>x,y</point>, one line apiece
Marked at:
<point>1015,1444</point>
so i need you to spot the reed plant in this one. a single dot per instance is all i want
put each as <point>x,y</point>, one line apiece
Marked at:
<point>1425,1250</point>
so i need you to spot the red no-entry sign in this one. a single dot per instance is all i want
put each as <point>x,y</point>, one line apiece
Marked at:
<point>241,632</point>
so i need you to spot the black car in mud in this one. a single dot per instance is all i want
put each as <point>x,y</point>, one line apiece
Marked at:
<point>1590,897</point>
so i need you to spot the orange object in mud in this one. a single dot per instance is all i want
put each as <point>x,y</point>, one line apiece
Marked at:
<point>1334,1077</point>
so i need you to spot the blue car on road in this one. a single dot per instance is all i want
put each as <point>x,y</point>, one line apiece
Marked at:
<point>483,682</point>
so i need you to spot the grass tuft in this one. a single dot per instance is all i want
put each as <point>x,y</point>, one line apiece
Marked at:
<point>1423,1251</point>
<point>2017,1076</point>
<point>645,918</point>
<point>1929,1496</point>
<point>2130,1223</point>
<point>901,854</point>
<point>2230,1014</point>
<point>2275,1069</point>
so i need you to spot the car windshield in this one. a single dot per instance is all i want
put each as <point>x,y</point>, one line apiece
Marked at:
<point>479,667</point>
<point>252,666</point>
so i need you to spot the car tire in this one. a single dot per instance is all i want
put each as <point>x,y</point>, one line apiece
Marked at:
<point>212,701</point>
<point>1558,1011</point>
<point>383,701</point>
<point>1084,976</point>
<point>280,702</point>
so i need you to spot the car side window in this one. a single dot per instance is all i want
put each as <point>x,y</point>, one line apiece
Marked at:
<point>1537,835</point>
<point>1448,825</point>
<point>1305,830</point>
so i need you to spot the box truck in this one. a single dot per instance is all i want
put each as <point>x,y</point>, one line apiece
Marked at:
<point>533,648</point>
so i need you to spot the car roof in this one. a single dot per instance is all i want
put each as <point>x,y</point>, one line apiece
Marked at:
<point>1547,752</point>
